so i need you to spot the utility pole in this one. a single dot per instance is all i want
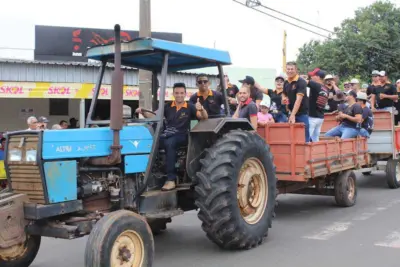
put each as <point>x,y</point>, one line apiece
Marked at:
<point>145,77</point>
<point>284,52</point>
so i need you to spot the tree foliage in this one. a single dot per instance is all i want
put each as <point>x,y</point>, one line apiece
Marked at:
<point>369,41</point>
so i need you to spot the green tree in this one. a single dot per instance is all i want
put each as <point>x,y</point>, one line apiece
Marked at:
<point>369,41</point>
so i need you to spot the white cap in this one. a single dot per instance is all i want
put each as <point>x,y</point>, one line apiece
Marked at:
<point>354,81</point>
<point>362,96</point>
<point>382,73</point>
<point>265,103</point>
<point>398,81</point>
<point>328,77</point>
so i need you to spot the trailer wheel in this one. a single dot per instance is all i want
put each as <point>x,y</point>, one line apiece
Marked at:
<point>346,189</point>
<point>393,173</point>
<point>21,255</point>
<point>121,238</point>
<point>236,191</point>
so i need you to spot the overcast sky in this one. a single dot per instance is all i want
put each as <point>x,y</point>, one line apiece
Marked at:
<point>253,39</point>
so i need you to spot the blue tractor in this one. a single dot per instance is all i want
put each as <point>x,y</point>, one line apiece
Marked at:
<point>105,182</point>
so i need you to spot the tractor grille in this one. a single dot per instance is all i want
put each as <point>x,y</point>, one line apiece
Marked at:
<point>25,175</point>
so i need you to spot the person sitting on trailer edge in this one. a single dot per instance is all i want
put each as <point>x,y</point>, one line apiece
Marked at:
<point>178,115</point>
<point>246,109</point>
<point>295,89</point>
<point>367,123</point>
<point>211,100</point>
<point>350,119</point>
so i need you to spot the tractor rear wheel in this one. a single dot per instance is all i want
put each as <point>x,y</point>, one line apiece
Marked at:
<point>121,238</point>
<point>236,190</point>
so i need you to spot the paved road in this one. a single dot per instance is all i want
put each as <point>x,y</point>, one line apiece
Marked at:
<point>309,231</point>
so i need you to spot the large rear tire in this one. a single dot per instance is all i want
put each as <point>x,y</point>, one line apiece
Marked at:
<point>121,238</point>
<point>236,190</point>
<point>393,173</point>
<point>21,255</point>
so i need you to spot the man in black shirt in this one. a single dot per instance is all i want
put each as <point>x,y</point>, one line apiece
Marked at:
<point>231,92</point>
<point>375,83</point>
<point>247,108</point>
<point>211,100</point>
<point>318,100</point>
<point>384,96</point>
<point>367,116</point>
<point>330,84</point>
<point>255,92</point>
<point>350,118</point>
<point>295,91</point>
<point>178,115</point>
<point>278,109</point>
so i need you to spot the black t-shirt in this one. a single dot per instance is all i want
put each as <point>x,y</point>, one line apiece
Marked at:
<point>297,87</point>
<point>276,100</point>
<point>388,89</point>
<point>256,94</point>
<point>397,104</point>
<point>231,91</point>
<point>178,120</point>
<point>352,111</point>
<point>315,90</point>
<point>367,112</point>
<point>333,105</point>
<point>371,88</point>
<point>248,110</point>
<point>212,103</point>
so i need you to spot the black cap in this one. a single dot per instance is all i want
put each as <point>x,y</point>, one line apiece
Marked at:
<point>43,120</point>
<point>249,80</point>
<point>352,93</point>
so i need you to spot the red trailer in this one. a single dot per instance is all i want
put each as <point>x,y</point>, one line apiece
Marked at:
<point>317,168</point>
<point>383,145</point>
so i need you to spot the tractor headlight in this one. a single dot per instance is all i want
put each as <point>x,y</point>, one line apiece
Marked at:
<point>31,155</point>
<point>15,155</point>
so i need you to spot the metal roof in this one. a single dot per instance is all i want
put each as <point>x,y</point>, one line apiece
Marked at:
<point>148,54</point>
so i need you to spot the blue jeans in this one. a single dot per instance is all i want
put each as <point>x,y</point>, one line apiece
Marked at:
<point>280,117</point>
<point>304,119</point>
<point>364,133</point>
<point>171,145</point>
<point>343,132</point>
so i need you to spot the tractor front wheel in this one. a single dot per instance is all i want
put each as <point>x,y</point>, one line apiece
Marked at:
<point>21,255</point>
<point>121,238</point>
<point>236,190</point>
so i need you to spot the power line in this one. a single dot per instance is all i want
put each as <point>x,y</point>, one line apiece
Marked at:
<point>289,16</point>
<point>283,20</point>
<point>254,3</point>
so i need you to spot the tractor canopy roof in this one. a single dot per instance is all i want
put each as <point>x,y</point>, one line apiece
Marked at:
<point>147,54</point>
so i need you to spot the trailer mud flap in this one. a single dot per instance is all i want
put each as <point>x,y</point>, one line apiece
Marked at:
<point>12,222</point>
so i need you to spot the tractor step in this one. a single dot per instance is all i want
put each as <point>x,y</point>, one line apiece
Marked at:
<point>157,201</point>
<point>163,214</point>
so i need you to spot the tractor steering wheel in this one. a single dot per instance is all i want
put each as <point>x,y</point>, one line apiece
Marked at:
<point>148,111</point>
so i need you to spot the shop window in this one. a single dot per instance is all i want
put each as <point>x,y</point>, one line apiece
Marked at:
<point>59,107</point>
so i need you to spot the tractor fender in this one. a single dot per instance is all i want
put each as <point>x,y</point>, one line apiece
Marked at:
<point>204,134</point>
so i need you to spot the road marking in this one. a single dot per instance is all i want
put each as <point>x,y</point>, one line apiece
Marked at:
<point>391,241</point>
<point>364,216</point>
<point>330,231</point>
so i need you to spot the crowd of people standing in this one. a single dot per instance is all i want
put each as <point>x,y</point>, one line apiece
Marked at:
<point>305,98</point>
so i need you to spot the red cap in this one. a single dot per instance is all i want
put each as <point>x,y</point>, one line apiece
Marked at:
<point>314,72</point>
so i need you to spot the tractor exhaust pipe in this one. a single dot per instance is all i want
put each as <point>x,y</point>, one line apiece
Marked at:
<point>116,118</point>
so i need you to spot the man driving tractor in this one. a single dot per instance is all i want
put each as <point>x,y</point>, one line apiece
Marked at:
<point>178,115</point>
